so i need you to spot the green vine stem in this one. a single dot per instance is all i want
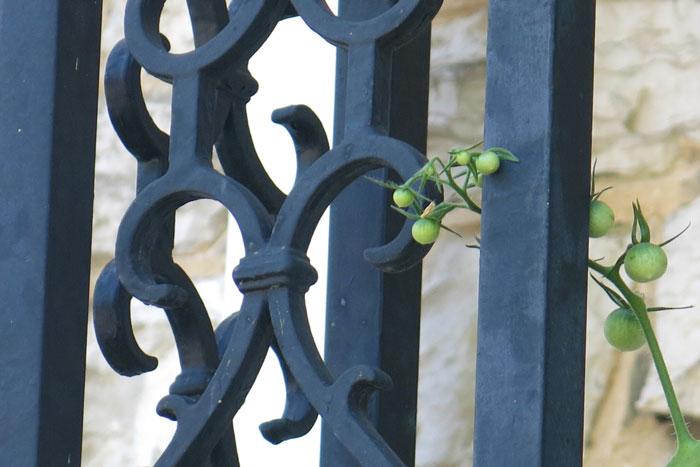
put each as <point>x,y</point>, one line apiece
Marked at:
<point>640,310</point>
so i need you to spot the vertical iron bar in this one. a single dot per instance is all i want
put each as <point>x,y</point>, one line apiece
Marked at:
<point>373,318</point>
<point>532,295</point>
<point>49,61</point>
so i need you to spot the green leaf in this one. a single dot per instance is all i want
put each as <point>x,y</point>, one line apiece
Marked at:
<point>676,236</point>
<point>595,196</point>
<point>618,264</point>
<point>386,184</point>
<point>644,231</point>
<point>635,225</point>
<point>477,245</point>
<point>614,296</point>
<point>422,197</point>
<point>504,154</point>
<point>450,230</point>
<point>469,148</point>
<point>663,308</point>
<point>461,174</point>
<point>442,209</point>
<point>409,215</point>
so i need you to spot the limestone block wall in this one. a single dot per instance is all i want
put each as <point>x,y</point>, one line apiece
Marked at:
<point>647,142</point>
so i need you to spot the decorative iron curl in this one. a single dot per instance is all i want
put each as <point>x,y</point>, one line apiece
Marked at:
<point>211,87</point>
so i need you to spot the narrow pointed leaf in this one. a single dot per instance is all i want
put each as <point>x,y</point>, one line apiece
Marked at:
<point>450,230</point>
<point>614,296</point>
<point>620,261</point>
<point>504,154</point>
<point>635,224</point>
<point>385,183</point>
<point>664,308</point>
<point>469,148</point>
<point>597,195</point>
<point>441,210</point>
<point>644,231</point>
<point>676,236</point>
<point>409,215</point>
<point>476,245</point>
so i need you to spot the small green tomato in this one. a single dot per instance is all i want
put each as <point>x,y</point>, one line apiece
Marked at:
<point>601,219</point>
<point>645,262</point>
<point>425,231</point>
<point>623,331</point>
<point>463,157</point>
<point>488,163</point>
<point>403,197</point>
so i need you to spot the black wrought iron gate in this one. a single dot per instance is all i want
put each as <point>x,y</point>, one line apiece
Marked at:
<point>532,293</point>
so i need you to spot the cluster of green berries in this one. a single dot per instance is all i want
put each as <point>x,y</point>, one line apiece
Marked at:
<point>643,261</point>
<point>628,327</point>
<point>464,169</point>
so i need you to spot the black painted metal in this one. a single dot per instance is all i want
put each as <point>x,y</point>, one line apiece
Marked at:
<point>211,86</point>
<point>530,360</point>
<point>532,295</point>
<point>49,56</point>
<point>383,310</point>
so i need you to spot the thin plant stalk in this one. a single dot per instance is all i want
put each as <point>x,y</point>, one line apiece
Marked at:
<point>639,308</point>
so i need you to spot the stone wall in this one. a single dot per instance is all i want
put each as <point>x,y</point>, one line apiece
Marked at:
<point>646,138</point>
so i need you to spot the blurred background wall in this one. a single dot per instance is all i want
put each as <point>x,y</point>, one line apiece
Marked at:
<point>647,142</point>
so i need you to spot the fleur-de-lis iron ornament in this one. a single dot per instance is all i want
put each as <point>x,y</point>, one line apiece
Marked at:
<point>211,86</point>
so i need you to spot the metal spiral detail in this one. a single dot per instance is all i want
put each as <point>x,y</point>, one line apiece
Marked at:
<point>211,86</point>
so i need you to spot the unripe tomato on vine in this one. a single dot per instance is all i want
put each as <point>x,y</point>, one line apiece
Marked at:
<point>403,197</point>
<point>425,231</point>
<point>488,163</point>
<point>601,219</point>
<point>645,262</point>
<point>463,157</point>
<point>623,330</point>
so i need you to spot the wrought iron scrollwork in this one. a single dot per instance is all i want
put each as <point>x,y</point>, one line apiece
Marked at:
<point>211,86</point>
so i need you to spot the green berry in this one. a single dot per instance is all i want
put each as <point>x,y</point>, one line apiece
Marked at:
<point>623,330</point>
<point>488,162</point>
<point>403,197</point>
<point>645,262</point>
<point>463,157</point>
<point>601,219</point>
<point>425,231</point>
